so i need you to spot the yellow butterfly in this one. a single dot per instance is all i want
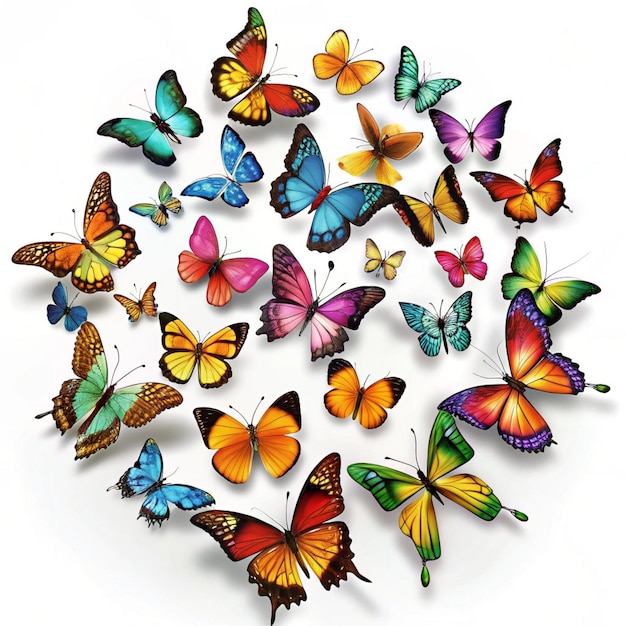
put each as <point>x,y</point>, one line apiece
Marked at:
<point>389,264</point>
<point>144,304</point>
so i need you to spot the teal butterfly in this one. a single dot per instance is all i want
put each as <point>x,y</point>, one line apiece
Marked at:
<point>172,118</point>
<point>158,212</point>
<point>407,83</point>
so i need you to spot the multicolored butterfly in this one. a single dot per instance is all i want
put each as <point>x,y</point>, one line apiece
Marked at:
<point>231,77</point>
<point>539,191</point>
<point>468,261</point>
<point>336,61</point>
<point>105,241</point>
<point>183,352</point>
<point>312,541</point>
<point>225,275</point>
<point>389,143</point>
<point>420,216</point>
<point>236,443</point>
<point>293,305</point>
<point>435,330</point>
<point>304,184</point>
<point>447,450</point>
<point>143,304</point>
<point>146,477</point>
<point>172,118</point>
<point>240,168</point>
<point>106,406</point>
<point>408,84</point>
<point>348,398</point>
<point>158,212</point>
<point>532,366</point>
<point>72,316</point>
<point>461,139</point>
<point>389,264</point>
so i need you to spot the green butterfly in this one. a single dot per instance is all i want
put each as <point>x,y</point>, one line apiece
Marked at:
<point>158,212</point>
<point>447,450</point>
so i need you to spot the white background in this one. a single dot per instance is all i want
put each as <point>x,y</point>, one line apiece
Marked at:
<point>73,551</point>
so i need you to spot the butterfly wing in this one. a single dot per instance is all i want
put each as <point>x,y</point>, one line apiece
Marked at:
<point>391,263</point>
<point>548,194</point>
<point>489,130</point>
<point>472,259</point>
<point>155,507</point>
<point>451,132</point>
<point>170,103</point>
<point>455,320</point>
<point>144,474</point>
<point>422,321</point>
<point>375,258</point>
<point>451,263</point>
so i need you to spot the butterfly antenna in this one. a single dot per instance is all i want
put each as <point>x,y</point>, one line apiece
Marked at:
<point>598,387</point>
<point>254,508</point>
<point>232,408</point>
<point>127,373</point>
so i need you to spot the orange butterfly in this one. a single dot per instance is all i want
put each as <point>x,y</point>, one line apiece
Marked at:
<point>105,241</point>
<point>144,304</point>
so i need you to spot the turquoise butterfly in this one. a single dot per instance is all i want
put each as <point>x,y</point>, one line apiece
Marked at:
<point>172,118</point>
<point>158,212</point>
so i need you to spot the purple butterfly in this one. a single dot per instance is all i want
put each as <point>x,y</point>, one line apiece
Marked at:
<point>460,139</point>
<point>293,305</point>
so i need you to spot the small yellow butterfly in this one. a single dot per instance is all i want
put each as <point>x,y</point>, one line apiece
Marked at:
<point>376,261</point>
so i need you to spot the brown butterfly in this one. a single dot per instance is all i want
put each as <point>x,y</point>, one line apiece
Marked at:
<point>144,304</point>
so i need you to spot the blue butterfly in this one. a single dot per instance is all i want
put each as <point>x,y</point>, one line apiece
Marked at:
<point>304,184</point>
<point>436,330</point>
<point>145,476</point>
<point>158,212</point>
<point>240,168</point>
<point>172,118</point>
<point>74,315</point>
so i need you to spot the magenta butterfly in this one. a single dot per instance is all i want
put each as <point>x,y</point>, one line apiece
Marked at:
<point>293,305</point>
<point>469,261</point>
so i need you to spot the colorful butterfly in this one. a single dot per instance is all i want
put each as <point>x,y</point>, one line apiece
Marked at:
<point>469,261</point>
<point>447,450</point>
<point>376,262</point>
<point>146,477</point>
<point>72,316</point>
<point>293,305</point>
<point>225,275</point>
<point>144,304</point>
<point>539,191</point>
<point>105,241</point>
<point>435,330</point>
<point>230,77</point>
<point>526,274</point>
<point>183,352</point>
<point>532,367</point>
<point>240,168</point>
<point>420,216</point>
<point>408,84</point>
<point>312,541</point>
<point>304,184</point>
<point>461,139</point>
<point>348,398</point>
<point>158,212</point>
<point>236,443</point>
<point>336,61</point>
<point>106,407</point>
<point>389,143</point>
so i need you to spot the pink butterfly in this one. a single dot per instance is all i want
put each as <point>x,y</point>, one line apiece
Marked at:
<point>224,274</point>
<point>293,305</point>
<point>469,261</point>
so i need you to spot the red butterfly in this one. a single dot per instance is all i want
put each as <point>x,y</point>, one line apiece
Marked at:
<point>469,261</point>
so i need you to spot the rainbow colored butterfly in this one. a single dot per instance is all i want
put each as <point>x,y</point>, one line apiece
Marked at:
<point>158,213</point>
<point>144,303</point>
<point>376,261</point>
<point>72,316</point>
<point>468,261</point>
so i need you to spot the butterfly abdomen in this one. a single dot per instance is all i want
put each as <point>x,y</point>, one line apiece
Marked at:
<point>164,127</point>
<point>321,196</point>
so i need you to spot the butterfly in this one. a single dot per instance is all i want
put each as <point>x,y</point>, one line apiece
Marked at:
<point>293,305</point>
<point>231,77</point>
<point>336,61</point>
<point>532,366</point>
<point>144,304</point>
<point>106,407</point>
<point>240,168</point>
<point>420,216</point>
<point>539,191</point>
<point>105,241</point>
<point>146,477</point>
<point>236,443</point>
<point>183,352</point>
<point>469,261</point>
<point>461,139</point>
<point>408,84</point>
<point>447,450</point>
<point>349,398</point>
<point>304,184</point>
<point>435,330</point>
<point>72,316</point>
<point>158,212</point>
<point>376,262</point>
<point>549,296</point>
<point>312,541</point>
<point>225,275</point>
<point>389,143</point>
<point>172,118</point>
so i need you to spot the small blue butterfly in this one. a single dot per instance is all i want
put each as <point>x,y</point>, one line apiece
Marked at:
<point>74,315</point>
<point>240,168</point>
<point>145,476</point>
<point>158,212</point>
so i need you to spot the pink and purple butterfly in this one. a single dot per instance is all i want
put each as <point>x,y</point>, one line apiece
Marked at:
<point>468,261</point>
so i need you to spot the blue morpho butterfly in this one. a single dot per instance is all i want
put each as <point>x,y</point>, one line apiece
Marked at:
<point>172,118</point>
<point>304,184</point>
<point>145,477</point>
<point>240,168</point>
<point>158,212</point>
<point>73,316</point>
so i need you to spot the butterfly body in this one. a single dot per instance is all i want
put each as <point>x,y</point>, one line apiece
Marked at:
<point>158,213</point>
<point>72,316</point>
<point>144,304</point>
<point>469,261</point>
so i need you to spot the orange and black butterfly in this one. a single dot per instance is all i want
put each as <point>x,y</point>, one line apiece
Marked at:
<point>143,304</point>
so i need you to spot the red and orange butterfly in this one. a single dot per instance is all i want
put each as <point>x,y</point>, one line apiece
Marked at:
<point>144,303</point>
<point>468,261</point>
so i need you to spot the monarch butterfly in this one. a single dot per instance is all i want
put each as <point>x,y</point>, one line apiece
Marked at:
<point>144,304</point>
